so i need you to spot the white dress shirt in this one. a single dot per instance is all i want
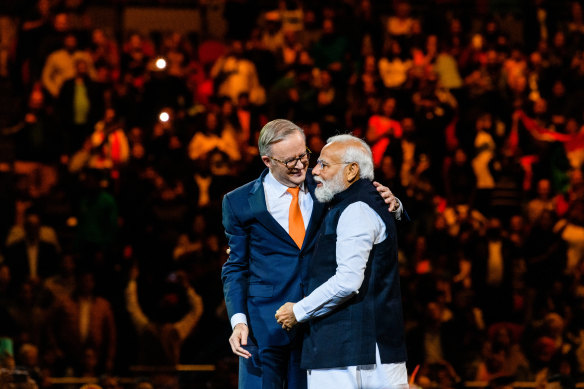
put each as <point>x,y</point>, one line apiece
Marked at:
<point>278,201</point>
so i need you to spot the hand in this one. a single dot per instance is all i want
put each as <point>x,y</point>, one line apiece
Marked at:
<point>285,316</point>
<point>388,197</point>
<point>239,338</point>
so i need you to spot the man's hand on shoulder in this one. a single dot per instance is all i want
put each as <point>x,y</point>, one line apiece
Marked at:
<point>238,339</point>
<point>387,196</point>
<point>285,316</point>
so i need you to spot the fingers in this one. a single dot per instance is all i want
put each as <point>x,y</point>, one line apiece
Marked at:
<point>237,339</point>
<point>394,204</point>
<point>238,350</point>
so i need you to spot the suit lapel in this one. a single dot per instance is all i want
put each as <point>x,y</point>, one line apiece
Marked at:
<point>257,203</point>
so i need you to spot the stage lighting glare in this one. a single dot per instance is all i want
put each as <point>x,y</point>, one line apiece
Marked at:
<point>161,63</point>
<point>164,116</point>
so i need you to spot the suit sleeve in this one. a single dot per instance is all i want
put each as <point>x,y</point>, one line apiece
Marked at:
<point>236,270</point>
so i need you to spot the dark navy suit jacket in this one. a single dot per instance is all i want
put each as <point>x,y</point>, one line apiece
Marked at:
<point>265,268</point>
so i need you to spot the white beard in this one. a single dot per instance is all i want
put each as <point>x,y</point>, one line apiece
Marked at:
<point>330,188</point>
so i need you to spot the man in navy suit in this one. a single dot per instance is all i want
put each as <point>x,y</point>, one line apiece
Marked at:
<point>266,266</point>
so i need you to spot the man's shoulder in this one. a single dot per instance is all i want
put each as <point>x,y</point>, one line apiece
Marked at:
<point>245,189</point>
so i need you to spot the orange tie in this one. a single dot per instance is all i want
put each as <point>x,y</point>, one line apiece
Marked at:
<point>295,221</point>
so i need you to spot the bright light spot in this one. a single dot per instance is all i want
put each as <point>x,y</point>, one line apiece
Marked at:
<point>164,116</point>
<point>160,63</point>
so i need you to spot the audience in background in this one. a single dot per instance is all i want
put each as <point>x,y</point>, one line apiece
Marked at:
<point>115,154</point>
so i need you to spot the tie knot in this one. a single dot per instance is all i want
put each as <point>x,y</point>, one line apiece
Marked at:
<point>294,191</point>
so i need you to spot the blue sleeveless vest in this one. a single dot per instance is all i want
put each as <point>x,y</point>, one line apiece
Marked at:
<point>347,336</point>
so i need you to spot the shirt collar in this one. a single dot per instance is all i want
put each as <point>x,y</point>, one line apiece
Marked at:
<point>277,188</point>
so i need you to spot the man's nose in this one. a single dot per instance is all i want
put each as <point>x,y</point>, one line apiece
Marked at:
<point>296,164</point>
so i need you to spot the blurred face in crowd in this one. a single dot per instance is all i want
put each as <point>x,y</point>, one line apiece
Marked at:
<point>211,121</point>
<point>328,27</point>
<point>32,226</point>
<point>70,43</point>
<point>544,189</point>
<point>484,122</point>
<point>388,106</point>
<point>81,68</point>
<point>293,146</point>
<point>4,275</point>
<point>61,22</point>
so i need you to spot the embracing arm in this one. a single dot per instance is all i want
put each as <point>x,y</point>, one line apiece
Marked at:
<point>394,204</point>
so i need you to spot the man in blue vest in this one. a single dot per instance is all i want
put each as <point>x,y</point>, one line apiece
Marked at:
<point>355,336</point>
<point>271,225</point>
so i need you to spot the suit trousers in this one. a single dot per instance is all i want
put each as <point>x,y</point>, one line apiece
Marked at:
<point>274,367</point>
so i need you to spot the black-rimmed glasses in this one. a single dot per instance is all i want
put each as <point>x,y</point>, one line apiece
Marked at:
<point>292,162</point>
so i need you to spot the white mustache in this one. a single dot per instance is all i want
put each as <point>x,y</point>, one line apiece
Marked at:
<point>318,179</point>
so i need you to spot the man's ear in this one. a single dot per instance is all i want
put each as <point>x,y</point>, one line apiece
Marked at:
<point>352,172</point>
<point>266,160</point>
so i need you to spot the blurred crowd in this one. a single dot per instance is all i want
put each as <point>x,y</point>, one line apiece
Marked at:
<point>117,147</point>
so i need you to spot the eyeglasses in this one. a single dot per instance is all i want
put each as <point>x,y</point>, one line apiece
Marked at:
<point>324,164</point>
<point>291,163</point>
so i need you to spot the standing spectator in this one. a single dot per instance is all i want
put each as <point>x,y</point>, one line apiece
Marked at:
<point>459,181</point>
<point>233,74</point>
<point>32,249</point>
<point>571,229</point>
<point>60,65</point>
<point>84,320</point>
<point>394,66</point>
<point>105,55</point>
<point>382,129</point>
<point>492,273</point>
<point>330,50</point>
<point>37,137</point>
<point>27,315</point>
<point>544,201</point>
<point>97,220</point>
<point>214,135</point>
<point>80,105</point>
<point>162,335</point>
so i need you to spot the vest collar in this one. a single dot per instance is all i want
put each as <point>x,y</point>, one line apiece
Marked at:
<point>354,188</point>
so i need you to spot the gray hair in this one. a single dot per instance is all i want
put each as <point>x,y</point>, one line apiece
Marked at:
<point>276,131</point>
<point>360,155</point>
